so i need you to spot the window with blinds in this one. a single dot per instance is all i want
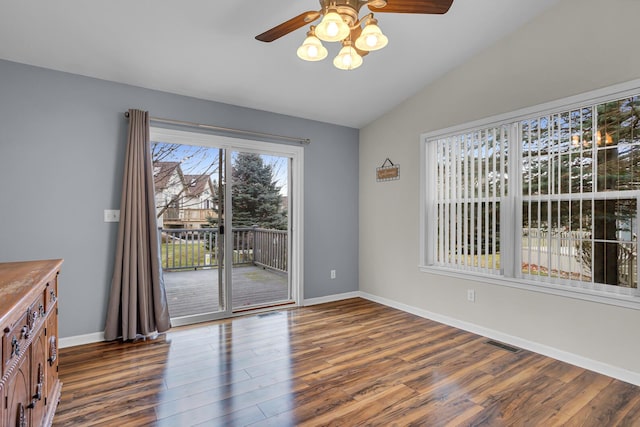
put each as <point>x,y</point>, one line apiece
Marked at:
<point>580,183</point>
<point>471,182</point>
<point>550,199</point>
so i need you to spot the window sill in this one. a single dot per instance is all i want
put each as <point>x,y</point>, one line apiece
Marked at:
<point>568,291</point>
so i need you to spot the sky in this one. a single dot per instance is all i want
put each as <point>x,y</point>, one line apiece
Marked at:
<point>197,160</point>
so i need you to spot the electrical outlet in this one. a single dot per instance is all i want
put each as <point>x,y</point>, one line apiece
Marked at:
<point>333,274</point>
<point>471,295</point>
<point>111,215</point>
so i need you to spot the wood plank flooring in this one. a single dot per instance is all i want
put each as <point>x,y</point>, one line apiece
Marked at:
<point>352,362</point>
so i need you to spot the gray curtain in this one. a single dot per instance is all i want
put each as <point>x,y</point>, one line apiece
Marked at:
<point>138,302</point>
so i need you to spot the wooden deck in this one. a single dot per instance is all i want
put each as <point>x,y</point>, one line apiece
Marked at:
<point>196,291</point>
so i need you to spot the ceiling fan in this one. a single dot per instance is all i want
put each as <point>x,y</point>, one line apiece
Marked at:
<point>341,22</point>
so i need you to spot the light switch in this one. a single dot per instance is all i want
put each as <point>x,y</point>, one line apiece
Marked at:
<point>111,215</point>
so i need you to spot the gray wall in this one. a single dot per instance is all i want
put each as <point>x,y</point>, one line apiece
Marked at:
<point>62,142</point>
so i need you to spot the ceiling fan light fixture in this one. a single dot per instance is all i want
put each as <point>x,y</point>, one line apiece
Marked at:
<point>332,28</point>
<point>377,3</point>
<point>348,58</point>
<point>312,49</point>
<point>371,37</point>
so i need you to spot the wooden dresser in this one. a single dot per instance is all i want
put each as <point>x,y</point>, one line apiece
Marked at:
<point>30,388</point>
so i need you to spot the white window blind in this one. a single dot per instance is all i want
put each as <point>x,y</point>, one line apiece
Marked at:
<point>580,189</point>
<point>568,217</point>
<point>471,180</point>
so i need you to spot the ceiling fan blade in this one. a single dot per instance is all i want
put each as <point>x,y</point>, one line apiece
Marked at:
<point>288,26</point>
<point>414,6</point>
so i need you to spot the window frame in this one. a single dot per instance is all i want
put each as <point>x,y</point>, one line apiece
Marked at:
<point>510,224</point>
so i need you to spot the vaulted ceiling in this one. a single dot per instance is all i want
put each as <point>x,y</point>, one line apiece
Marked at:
<point>206,49</point>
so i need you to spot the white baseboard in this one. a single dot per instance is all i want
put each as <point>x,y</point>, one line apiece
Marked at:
<point>99,336</point>
<point>571,358</point>
<point>331,298</point>
<point>81,339</point>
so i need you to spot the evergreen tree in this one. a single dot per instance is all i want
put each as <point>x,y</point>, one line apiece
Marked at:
<point>256,197</point>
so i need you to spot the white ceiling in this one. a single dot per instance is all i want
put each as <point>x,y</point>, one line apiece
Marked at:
<point>206,49</point>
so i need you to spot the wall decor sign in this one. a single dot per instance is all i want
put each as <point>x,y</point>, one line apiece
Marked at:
<point>388,171</point>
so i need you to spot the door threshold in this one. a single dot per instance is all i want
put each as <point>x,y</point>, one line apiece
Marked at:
<point>263,307</point>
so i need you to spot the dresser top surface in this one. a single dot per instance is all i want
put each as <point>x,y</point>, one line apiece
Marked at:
<point>17,279</point>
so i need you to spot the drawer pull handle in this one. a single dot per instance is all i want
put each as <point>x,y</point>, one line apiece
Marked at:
<point>15,347</point>
<point>53,351</point>
<point>32,404</point>
<point>22,417</point>
<point>38,395</point>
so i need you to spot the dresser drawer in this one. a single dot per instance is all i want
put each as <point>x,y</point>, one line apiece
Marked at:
<point>16,337</point>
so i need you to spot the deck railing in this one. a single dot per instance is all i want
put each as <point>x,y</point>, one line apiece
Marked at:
<point>192,249</point>
<point>270,248</point>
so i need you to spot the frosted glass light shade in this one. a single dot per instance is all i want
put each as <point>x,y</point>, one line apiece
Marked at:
<point>371,38</point>
<point>332,28</point>
<point>312,49</point>
<point>347,59</point>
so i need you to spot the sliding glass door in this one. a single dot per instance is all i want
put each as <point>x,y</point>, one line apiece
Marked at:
<point>261,229</point>
<point>189,181</point>
<point>227,213</point>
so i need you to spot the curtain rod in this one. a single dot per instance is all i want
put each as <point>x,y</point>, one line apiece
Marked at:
<point>230,130</point>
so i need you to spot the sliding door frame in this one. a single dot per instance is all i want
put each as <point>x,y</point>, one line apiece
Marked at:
<point>295,154</point>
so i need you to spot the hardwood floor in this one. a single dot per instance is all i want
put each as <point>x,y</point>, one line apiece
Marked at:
<point>351,362</point>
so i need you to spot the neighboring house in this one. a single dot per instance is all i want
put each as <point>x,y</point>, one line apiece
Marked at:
<point>182,201</point>
<point>169,185</point>
<point>197,201</point>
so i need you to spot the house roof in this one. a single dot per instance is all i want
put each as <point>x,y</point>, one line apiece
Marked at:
<point>162,172</point>
<point>196,184</point>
